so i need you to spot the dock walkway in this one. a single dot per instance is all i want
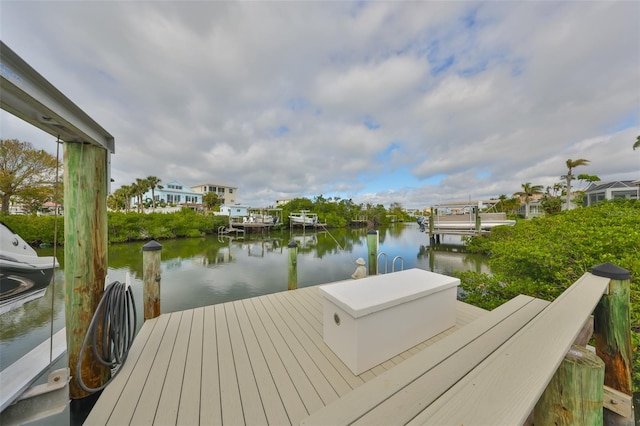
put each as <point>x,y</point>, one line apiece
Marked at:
<point>253,361</point>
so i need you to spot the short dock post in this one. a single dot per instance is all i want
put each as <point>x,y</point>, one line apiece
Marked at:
<point>293,265</point>
<point>612,332</point>
<point>372,249</point>
<point>575,394</point>
<point>151,278</point>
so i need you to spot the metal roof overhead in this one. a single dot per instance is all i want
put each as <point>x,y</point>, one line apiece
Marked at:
<point>29,96</point>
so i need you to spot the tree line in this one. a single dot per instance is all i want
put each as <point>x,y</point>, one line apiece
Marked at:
<point>31,177</point>
<point>121,197</point>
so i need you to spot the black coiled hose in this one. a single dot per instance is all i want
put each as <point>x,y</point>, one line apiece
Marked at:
<point>113,319</point>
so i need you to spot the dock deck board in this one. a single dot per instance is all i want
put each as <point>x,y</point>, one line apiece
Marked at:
<point>252,361</point>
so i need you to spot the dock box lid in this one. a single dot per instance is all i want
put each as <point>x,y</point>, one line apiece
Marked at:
<point>377,292</point>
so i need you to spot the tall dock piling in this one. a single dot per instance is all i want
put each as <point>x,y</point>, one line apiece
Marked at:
<point>151,253</point>
<point>372,250</point>
<point>612,332</point>
<point>85,253</point>
<point>575,394</point>
<point>431,226</point>
<point>478,223</point>
<point>585,382</point>
<point>293,265</point>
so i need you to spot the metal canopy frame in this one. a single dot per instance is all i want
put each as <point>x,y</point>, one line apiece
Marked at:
<point>29,96</point>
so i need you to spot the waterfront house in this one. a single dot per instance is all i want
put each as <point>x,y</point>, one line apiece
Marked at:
<point>535,208</point>
<point>227,194</point>
<point>173,193</point>
<point>234,211</point>
<point>599,191</point>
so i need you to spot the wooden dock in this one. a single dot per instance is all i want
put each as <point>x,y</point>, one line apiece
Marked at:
<point>254,361</point>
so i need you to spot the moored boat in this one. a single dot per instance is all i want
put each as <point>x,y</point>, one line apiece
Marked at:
<point>304,217</point>
<point>24,276</point>
<point>488,221</point>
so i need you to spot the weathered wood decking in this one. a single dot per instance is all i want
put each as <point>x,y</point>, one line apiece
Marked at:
<point>252,361</point>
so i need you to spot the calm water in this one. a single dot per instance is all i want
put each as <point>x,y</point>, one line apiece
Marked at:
<point>205,271</point>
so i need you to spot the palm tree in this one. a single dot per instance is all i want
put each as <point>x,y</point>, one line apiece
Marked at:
<point>501,203</point>
<point>527,192</point>
<point>571,164</point>
<point>637,144</point>
<point>153,184</point>
<point>126,192</point>
<point>138,188</point>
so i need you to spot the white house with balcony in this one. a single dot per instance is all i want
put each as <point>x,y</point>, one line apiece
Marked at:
<point>228,194</point>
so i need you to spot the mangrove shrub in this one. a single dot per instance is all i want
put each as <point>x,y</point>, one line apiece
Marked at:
<point>543,256</point>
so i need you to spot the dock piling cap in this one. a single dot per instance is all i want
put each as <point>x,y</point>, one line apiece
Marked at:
<point>152,246</point>
<point>609,270</point>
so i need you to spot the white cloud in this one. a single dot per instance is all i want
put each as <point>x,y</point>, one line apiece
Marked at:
<point>284,99</point>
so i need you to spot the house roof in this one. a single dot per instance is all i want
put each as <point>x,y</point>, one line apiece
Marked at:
<point>185,189</point>
<point>607,185</point>
<point>214,184</point>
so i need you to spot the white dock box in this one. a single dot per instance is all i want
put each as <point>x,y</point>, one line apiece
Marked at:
<point>370,320</point>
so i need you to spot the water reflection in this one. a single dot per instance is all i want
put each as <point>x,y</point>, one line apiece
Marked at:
<point>204,271</point>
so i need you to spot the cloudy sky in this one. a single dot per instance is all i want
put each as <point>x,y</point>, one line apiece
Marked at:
<point>412,102</point>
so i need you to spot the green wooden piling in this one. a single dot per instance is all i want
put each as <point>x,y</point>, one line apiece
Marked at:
<point>612,329</point>
<point>478,221</point>
<point>431,223</point>
<point>85,254</point>
<point>151,253</point>
<point>293,265</point>
<point>372,249</point>
<point>432,258</point>
<point>574,396</point>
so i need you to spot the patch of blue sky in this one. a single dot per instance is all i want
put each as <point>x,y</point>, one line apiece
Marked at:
<point>476,69</point>
<point>441,67</point>
<point>282,130</point>
<point>438,59</point>
<point>631,119</point>
<point>482,175</point>
<point>470,18</point>
<point>517,67</point>
<point>357,7</point>
<point>297,104</point>
<point>370,123</point>
<point>385,154</point>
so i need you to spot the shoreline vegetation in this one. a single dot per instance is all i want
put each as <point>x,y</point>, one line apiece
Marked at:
<point>539,257</point>
<point>133,226</point>
<point>542,257</point>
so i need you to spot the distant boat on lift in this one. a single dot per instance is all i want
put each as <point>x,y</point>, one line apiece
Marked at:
<point>304,217</point>
<point>464,222</point>
<point>24,276</point>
